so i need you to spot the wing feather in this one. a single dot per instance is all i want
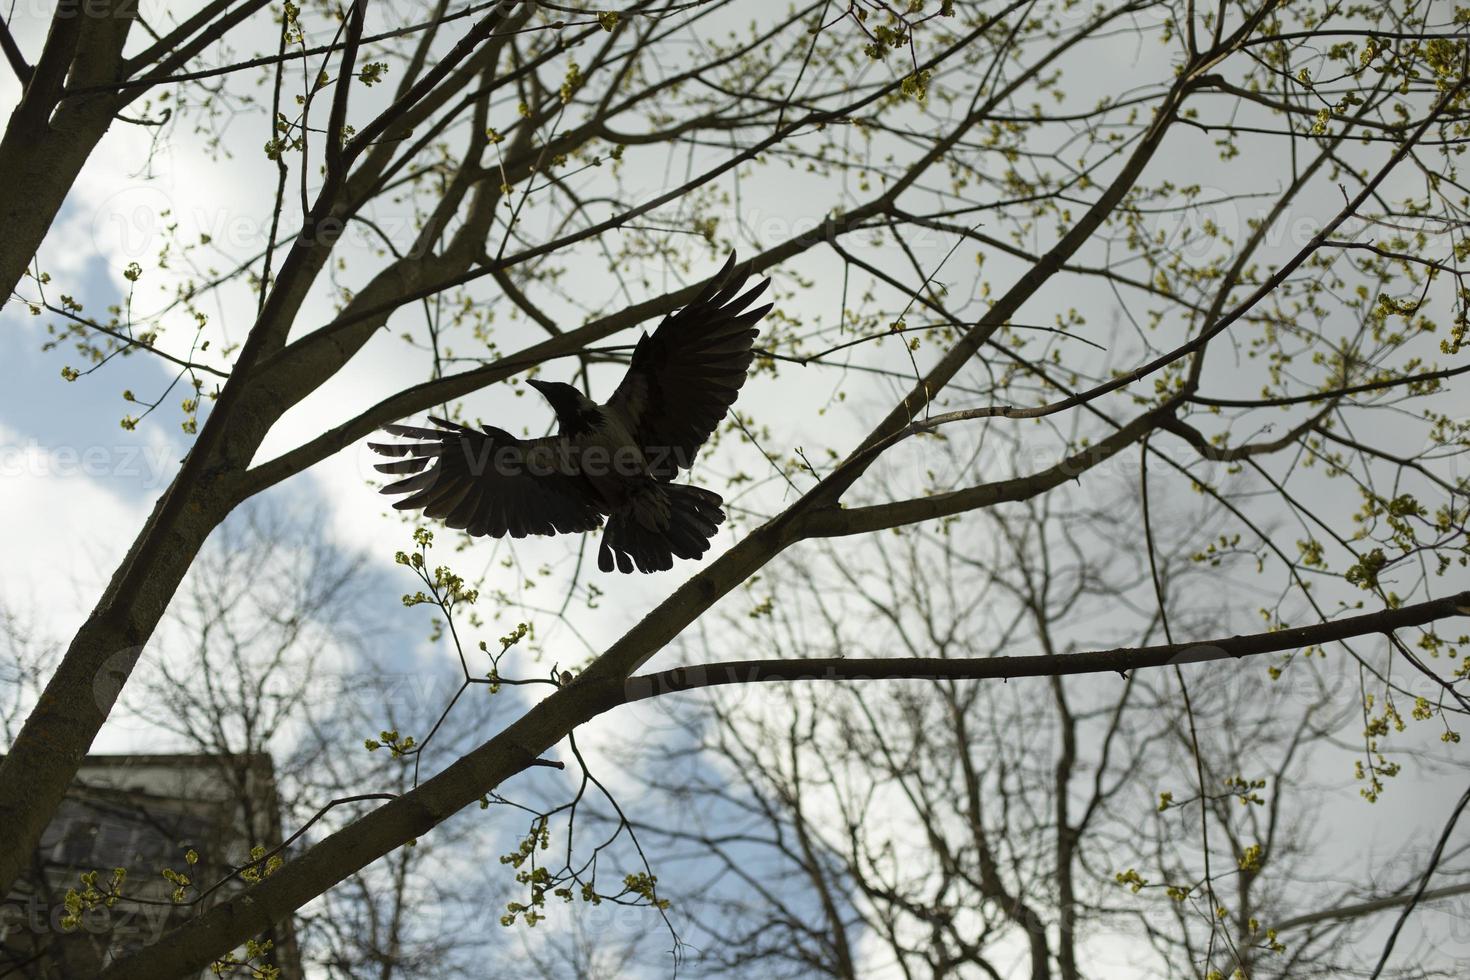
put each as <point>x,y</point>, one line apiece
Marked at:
<point>478,481</point>
<point>684,377</point>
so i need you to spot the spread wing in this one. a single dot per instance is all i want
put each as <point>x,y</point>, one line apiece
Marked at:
<point>489,482</point>
<point>685,376</point>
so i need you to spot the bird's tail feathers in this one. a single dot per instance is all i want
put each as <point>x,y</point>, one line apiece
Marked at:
<point>668,521</point>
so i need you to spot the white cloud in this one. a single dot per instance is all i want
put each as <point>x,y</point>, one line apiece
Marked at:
<point>68,529</point>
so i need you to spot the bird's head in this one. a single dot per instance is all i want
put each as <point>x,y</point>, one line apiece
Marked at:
<point>574,411</point>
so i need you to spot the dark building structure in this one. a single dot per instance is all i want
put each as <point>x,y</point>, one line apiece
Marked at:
<point>143,813</point>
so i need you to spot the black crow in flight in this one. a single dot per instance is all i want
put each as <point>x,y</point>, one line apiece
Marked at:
<point>616,460</point>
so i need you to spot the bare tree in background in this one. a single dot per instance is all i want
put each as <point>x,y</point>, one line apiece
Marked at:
<point>27,659</point>
<point>966,175</point>
<point>264,657</point>
<point>948,829</point>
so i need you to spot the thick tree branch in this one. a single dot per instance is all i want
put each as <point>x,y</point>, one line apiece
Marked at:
<point>1118,660</point>
<point>23,71</point>
<point>1357,910</point>
<point>1225,454</point>
<point>837,522</point>
<point>174,49</point>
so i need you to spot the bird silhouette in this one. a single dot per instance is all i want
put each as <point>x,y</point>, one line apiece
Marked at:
<point>616,460</point>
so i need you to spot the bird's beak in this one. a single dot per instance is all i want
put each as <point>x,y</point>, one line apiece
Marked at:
<point>538,385</point>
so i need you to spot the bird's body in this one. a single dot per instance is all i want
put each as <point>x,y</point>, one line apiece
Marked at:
<point>615,460</point>
<point>609,438</point>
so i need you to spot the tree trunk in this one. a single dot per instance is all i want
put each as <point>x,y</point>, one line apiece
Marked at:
<point>50,136</point>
